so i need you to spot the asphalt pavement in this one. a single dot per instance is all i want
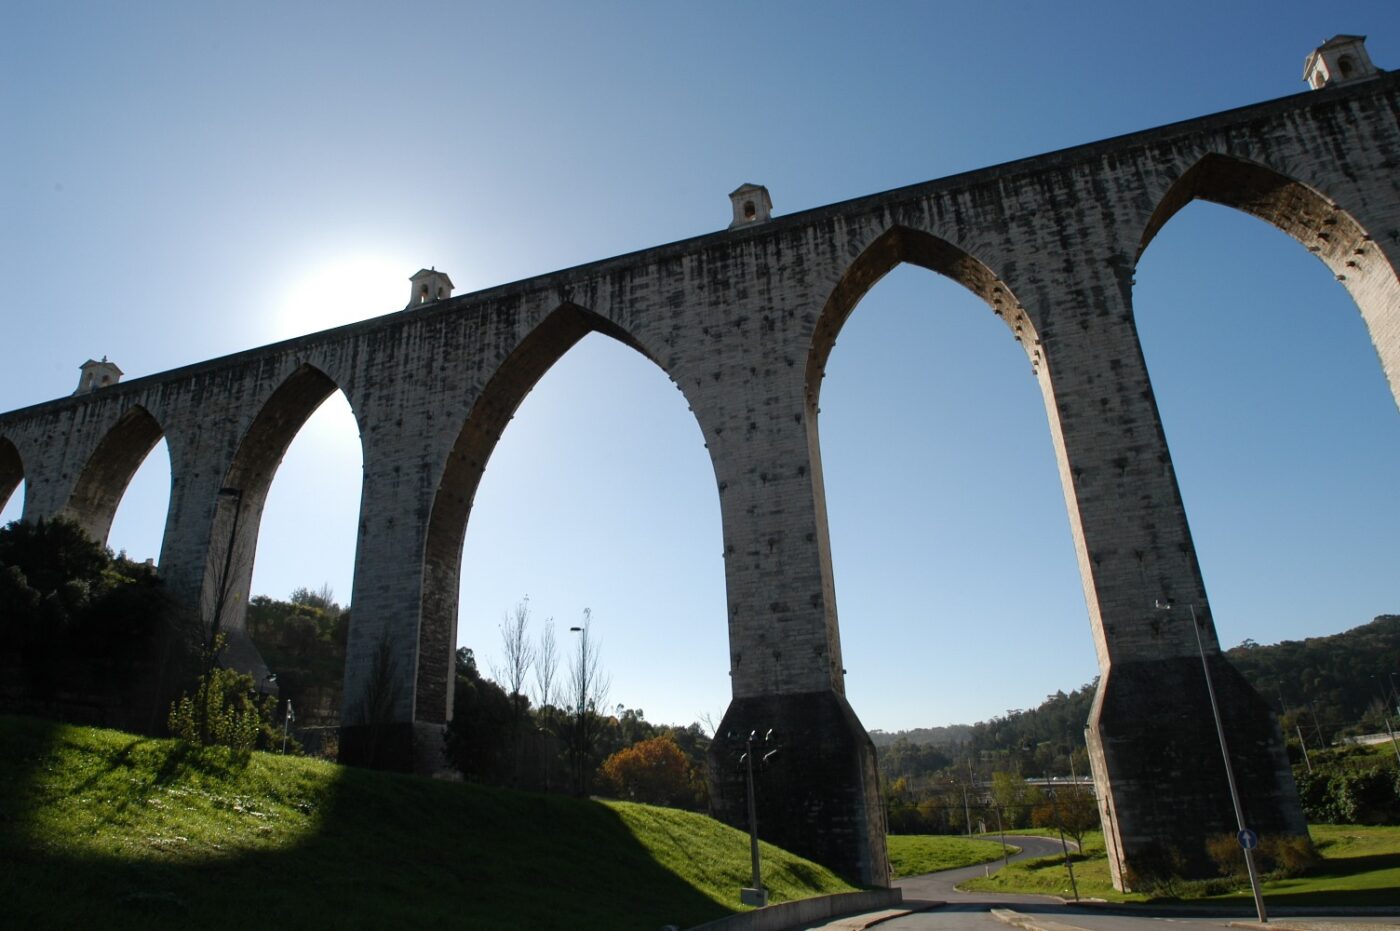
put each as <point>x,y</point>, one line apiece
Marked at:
<point>932,902</point>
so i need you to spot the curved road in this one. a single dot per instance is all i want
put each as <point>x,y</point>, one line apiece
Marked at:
<point>972,911</point>
<point>941,887</point>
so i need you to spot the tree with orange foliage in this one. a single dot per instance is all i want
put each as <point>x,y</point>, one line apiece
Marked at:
<point>653,771</point>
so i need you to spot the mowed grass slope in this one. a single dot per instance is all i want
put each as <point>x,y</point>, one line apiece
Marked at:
<point>916,854</point>
<point>106,829</point>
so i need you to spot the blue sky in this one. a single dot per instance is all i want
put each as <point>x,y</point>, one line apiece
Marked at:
<point>181,181</point>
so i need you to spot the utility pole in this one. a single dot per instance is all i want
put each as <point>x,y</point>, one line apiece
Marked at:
<point>1247,837</point>
<point>1059,826</point>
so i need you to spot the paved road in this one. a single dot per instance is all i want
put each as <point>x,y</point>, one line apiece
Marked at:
<point>972,911</point>
<point>941,887</point>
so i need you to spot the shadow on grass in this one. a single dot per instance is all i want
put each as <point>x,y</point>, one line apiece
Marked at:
<point>378,851</point>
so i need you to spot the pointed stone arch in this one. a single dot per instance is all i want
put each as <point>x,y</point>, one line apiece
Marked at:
<point>506,389</point>
<point>233,537</point>
<point>1323,226</point>
<point>11,470</point>
<point>895,246</point>
<point>109,471</point>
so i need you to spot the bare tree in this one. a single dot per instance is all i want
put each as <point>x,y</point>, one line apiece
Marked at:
<point>588,692</point>
<point>519,656</point>
<point>546,666</point>
<point>517,651</point>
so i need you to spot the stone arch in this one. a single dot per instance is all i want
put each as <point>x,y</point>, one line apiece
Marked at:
<point>1323,226</point>
<point>893,247</point>
<point>237,509</point>
<point>897,245</point>
<point>109,470</point>
<point>11,470</point>
<point>512,380</point>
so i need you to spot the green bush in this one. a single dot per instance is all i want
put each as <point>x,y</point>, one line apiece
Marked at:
<point>1278,856</point>
<point>225,711</point>
<point>1350,795</point>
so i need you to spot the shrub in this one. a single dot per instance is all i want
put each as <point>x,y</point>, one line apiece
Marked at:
<point>1285,855</point>
<point>1351,795</point>
<point>224,710</point>
<point>1225,852</point>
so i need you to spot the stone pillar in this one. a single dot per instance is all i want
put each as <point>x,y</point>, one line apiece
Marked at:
<point>393,711</point>
<point>819,794</point>
<point>211,539</point>
<point>1152,740</point>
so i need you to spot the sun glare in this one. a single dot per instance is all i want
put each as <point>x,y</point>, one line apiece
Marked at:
<point>343,291</point>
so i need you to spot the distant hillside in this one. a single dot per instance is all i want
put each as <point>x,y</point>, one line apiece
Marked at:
<point>1330,684</point>
<point>952,735</point>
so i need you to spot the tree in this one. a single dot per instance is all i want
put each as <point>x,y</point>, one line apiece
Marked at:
<point>479,735</point>
<point>517,651</point>
<point>1015,797</point>
<point>519,656</point>
<point>1075,808</point>
<point>588,692</point>
<point>79,618</point>
<point>654,771</point>
<point>546,665</point>
<point>323,598</point>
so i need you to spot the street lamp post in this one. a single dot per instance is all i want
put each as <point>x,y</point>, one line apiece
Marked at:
<point>287,723</point>
<point>755,895</point>
<point>1247,837</point>
<point>221,595</point>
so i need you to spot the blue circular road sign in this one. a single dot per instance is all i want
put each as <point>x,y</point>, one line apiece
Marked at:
<point>1248,839</point>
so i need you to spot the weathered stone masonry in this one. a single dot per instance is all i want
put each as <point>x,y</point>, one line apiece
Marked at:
<point>743,321</point>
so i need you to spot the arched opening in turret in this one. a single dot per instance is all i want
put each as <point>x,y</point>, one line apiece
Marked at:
<point>11,483</point>
<point>955,572</point>
<point>282,546</point>
<point>599,495</point>
<point>1282,430</point>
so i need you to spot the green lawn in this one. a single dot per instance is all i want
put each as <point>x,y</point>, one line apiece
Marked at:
<point>1048,876</point>
<point>105,829</point>
<point>916,854</point>
<point>1360,866</point>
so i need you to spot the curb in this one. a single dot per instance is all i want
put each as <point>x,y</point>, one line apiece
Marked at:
<point>1338,919</point>
<point>806,911</point>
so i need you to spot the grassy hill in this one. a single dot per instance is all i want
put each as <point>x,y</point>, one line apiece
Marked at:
<point>106,829</point>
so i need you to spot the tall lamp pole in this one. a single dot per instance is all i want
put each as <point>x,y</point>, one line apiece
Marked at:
<point>755,895</point>
<point>222,594</point>
<point>1247,837</point>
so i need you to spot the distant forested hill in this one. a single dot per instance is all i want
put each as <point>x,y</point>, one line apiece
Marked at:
<point>951,735</point>
<point>1331,685</point>
<point>1327,686</point>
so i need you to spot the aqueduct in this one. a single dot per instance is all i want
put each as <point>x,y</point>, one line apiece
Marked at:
<point>742,321</point>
